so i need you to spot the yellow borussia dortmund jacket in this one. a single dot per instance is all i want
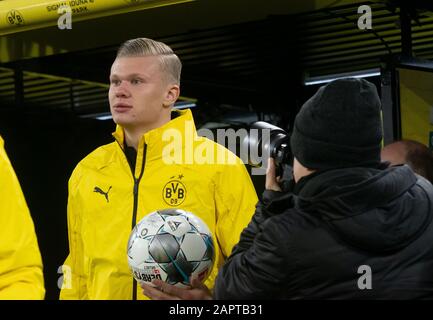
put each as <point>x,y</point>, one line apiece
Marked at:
<point>20,259</point>
<point>174,168</point>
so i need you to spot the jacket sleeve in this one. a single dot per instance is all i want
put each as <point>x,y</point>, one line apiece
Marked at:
<point>21,274</point>
<point>259,217</point>
<point>74,277</point>
<point>235,203</point>
<point>259,271</point>
<point>257,267</point>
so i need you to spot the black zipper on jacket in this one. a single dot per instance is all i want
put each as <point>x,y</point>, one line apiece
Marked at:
<point>134,210</point>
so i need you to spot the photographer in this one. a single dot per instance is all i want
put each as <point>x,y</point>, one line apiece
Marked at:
<point>351,227</point>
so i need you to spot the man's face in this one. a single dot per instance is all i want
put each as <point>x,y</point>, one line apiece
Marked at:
<point>139,93</point>
<point>394,153</point>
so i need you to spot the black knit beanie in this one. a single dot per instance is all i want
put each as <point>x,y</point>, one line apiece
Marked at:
<point>340,126</point>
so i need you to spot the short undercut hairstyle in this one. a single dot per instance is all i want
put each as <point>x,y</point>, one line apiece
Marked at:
<point>142,47</point>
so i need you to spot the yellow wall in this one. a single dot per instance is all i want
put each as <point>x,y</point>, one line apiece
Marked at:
<point>416,101</point>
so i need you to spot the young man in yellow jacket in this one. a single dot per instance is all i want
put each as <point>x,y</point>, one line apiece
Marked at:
<point>20,260</point>
<point>157,161</point>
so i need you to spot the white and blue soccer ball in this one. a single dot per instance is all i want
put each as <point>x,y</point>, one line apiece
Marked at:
<point>170,245</point>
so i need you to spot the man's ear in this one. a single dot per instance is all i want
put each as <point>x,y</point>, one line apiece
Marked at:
<point>172,94</point>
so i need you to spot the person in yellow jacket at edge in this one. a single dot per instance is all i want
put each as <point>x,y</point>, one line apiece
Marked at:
<point>21,276</point>
<point>156,162</point>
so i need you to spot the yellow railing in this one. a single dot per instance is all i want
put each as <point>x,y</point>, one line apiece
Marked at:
<point>22,15</point>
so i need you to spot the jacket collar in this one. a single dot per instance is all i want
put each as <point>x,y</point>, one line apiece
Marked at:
<point>161,141</point>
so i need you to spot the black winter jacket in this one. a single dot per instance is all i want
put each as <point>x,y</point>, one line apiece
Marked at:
<point>322,240</point>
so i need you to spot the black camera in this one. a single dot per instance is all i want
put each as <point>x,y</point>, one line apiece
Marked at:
<point>266,140</point>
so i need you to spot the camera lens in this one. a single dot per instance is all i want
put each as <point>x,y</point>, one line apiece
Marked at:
<point>266,140</point>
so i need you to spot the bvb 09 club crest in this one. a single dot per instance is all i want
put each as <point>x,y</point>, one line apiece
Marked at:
<point>15,18</point>
<point>174,192</point>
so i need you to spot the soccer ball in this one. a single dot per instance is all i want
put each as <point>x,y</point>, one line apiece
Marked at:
<point>170,245</point>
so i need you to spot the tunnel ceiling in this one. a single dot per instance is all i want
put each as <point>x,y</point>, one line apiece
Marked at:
<point>247,61</point>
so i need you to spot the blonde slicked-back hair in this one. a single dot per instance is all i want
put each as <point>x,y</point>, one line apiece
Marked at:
<point>142,47</point>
